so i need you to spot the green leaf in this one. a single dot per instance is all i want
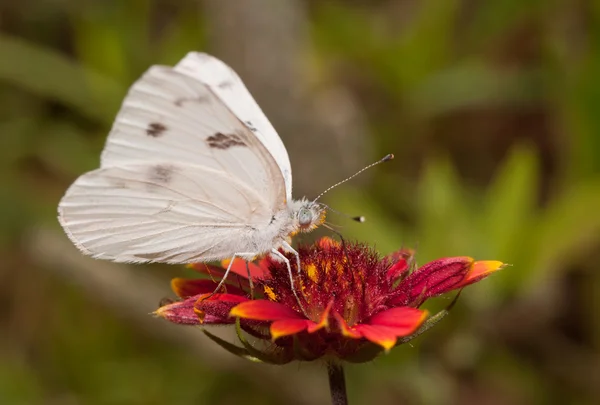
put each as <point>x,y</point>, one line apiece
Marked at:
<point>231,348</point>
<point>49,74</point>
<point>511,202</point>
<point>451,89</point>
<point>566,231</point>
<point>62,138</point>
<point>445,220</point>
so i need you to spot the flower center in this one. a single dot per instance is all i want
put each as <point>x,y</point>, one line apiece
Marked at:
<point>348,280</point>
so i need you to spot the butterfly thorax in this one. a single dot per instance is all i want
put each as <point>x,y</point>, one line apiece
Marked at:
<point>298,216</point>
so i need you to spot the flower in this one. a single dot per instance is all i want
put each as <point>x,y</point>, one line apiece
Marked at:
<point>352,303</point>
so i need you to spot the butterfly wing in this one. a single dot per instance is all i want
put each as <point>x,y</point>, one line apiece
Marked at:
<point>172,120</point>
<point>163,212</point>
<point>170,116</point>
<point>227,85</point>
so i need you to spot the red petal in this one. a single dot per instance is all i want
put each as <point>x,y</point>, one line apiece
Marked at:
<point>239,267</point>
<point>185,288</point>
<point>343,326</point>
<point>225,297</point>
<point>216,273</point>
<point>400,263</point>
<point>434,278</point>
<point>181,312</point>
<point>480,270</point>
<point>323,322</point>
<point>286,327</point>
<point>386,327</point>
<point>215,309</point>
<point>385,336</point>
<point>404,319</point>
<point>263,310</point>
<point>263,265</point>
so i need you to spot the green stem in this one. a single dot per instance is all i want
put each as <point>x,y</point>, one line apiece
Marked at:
<point>337,384</point>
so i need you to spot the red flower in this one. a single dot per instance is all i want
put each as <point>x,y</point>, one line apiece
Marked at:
<point>354,303</point>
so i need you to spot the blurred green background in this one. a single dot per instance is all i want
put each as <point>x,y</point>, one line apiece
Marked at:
<point>492,109</point>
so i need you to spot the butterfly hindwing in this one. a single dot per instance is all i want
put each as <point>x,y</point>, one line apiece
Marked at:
<point>160,212</point>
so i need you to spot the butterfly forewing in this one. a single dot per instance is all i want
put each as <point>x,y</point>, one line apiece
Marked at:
<point>168,116</point>
<point>227,85</point>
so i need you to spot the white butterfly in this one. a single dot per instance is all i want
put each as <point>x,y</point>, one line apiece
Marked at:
<point>192,171</point>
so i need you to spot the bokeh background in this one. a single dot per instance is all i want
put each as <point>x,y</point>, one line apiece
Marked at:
<point>492,109</point>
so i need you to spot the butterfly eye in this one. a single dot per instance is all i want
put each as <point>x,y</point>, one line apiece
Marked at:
<point>305,216</point>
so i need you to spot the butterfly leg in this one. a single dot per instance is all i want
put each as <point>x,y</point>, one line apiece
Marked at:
<point>250,280</point>
<point>287,262</point>
<point>241,256</point>
<point>290,249</point>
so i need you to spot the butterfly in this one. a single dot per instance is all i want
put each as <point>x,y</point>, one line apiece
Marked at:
<point>192,171</point>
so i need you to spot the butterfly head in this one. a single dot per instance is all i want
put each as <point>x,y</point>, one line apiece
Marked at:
<point>308,215</point>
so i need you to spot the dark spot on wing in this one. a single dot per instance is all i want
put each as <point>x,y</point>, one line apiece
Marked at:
<point>200,99</point>
<point>155,129</point>
<point>272,219</point>
<point>224,141</point>
<point>225,84</point>
<point>162,174</point>
<point>250,126</point>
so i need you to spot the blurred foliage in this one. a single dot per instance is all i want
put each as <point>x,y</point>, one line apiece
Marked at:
<point>491,110</point>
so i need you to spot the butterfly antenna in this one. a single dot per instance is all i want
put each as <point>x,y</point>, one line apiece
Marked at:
<point>384,159</point>
<point>359,218</point>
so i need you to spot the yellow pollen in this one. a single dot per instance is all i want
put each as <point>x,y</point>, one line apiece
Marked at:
<point>270,293</point>
<point>312,273</point>
<point>327,267</point>
<point>340,268</point>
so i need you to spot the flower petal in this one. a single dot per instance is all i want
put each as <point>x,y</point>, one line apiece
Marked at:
<point>405,320</point>
<point>263,265</point>
<point>432,279</point>
<point>323,322</point>
<point>344,328</point>
<point>185,288</point>
<point>239,267</point>
<point>180,312</point>
<point>480,270</point>
<point>215,309</point>
<point>400,263</point>
<point>286,327</point>
<point>385,336</point>
<point>263,310</point>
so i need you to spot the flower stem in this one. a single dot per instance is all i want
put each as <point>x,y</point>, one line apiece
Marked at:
<point>337,383</point>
